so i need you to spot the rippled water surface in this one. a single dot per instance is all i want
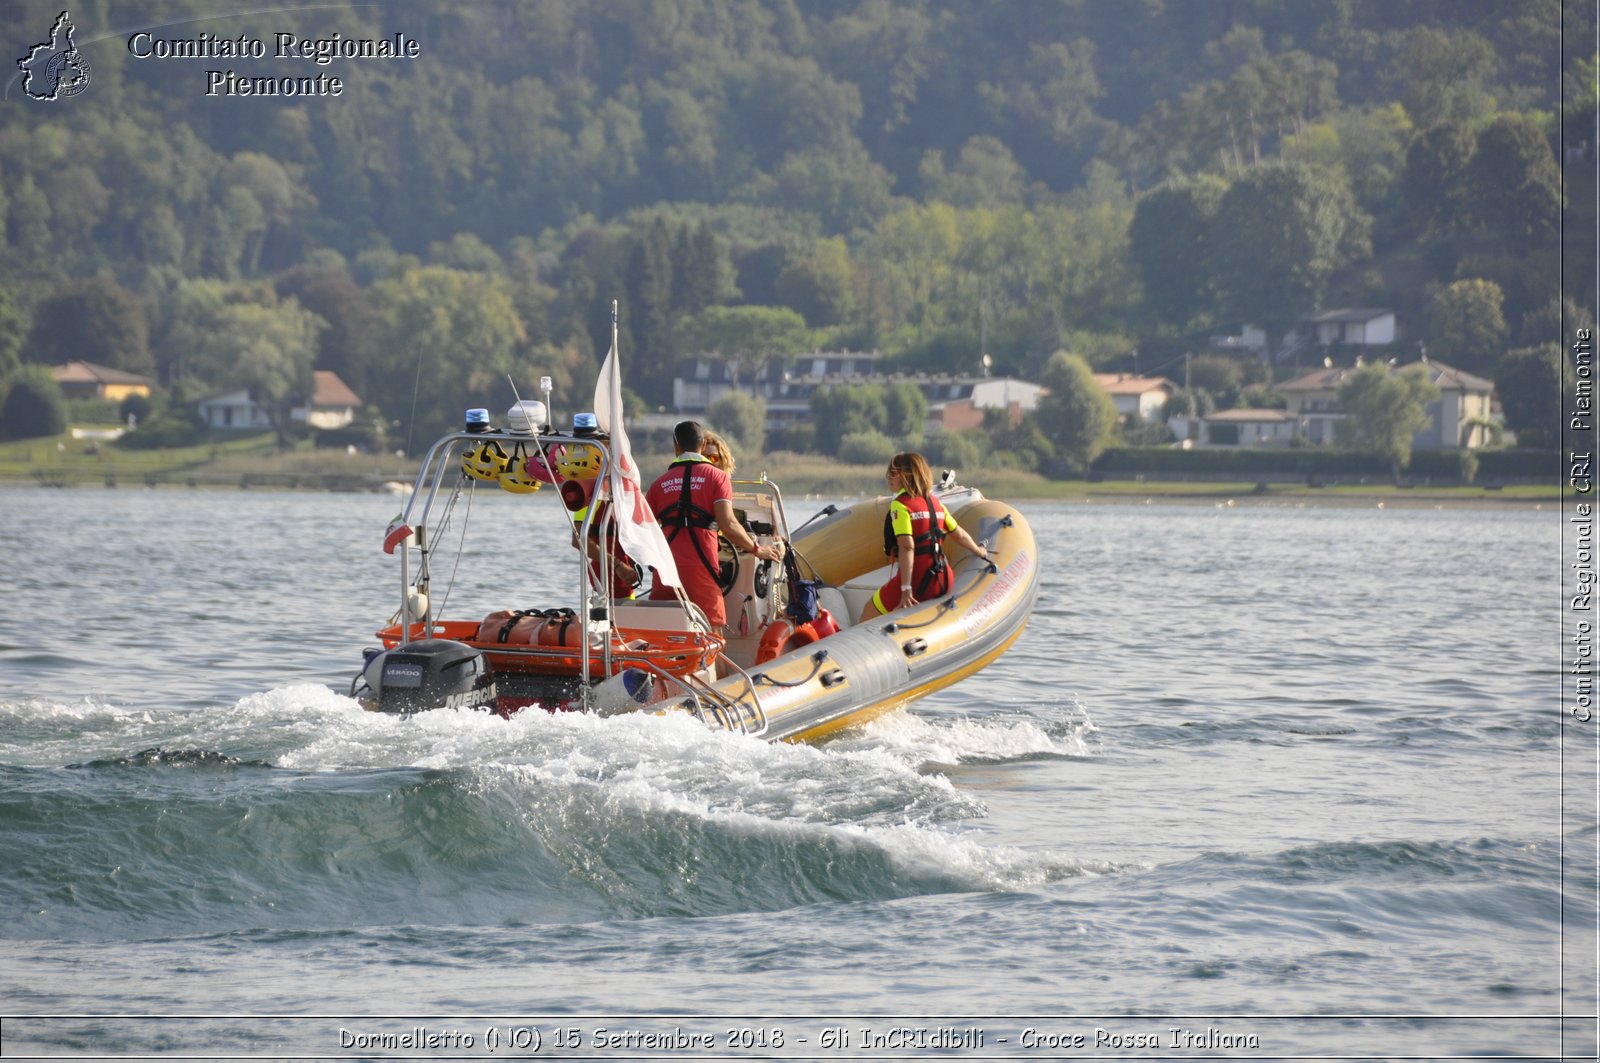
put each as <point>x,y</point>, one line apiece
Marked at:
<point>1299,774</point>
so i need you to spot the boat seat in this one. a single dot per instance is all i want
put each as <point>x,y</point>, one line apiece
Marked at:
<point>833,600</point>
<point>858,592</point>
<point>648,615</point>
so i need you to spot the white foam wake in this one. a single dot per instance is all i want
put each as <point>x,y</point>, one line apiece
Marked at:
<point>943,739</point>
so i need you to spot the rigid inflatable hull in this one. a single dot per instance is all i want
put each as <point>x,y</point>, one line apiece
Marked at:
<point>873,668</point>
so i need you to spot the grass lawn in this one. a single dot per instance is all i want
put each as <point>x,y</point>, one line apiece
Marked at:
<point>230,460</point>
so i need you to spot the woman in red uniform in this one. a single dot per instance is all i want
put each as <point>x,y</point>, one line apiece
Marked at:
<point>913,534</point>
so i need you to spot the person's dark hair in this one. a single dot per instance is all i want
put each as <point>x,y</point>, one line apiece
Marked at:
<point>689,435</point>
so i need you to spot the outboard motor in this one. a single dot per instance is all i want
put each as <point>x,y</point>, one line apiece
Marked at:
<point>430,674</point>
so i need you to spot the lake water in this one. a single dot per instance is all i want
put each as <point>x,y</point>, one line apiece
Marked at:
<point>1255,782</point>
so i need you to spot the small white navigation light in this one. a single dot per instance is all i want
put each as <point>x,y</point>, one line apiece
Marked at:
<point>526,417</point>
<point>477,420</point>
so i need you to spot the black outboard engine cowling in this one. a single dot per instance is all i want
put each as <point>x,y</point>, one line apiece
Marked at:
<point>430,674</point>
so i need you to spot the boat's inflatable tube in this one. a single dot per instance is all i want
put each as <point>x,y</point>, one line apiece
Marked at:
<point>810,691</point>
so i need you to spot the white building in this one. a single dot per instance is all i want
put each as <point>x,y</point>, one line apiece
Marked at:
<point>1357,327</point>
<point>1141,398</point>
<point>786,386</point>
<point>1458,419</point>
<point>1248,428</point>
<point>331,405</point>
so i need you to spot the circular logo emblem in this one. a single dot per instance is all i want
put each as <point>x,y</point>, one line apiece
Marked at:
<point>68,72</point>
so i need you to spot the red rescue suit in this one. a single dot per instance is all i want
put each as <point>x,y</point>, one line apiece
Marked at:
<point>926,520</point>
<point>684,499</point>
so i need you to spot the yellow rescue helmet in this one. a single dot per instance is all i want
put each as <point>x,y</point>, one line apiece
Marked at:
<point>485,462</point>
<point>518,480</point>
<point>579,463</point>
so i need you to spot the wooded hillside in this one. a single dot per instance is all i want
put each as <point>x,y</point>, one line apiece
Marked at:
<point>913,177</point>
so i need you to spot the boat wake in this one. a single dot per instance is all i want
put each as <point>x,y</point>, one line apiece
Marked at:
<point>295,809</point>
<point>1063,731</point>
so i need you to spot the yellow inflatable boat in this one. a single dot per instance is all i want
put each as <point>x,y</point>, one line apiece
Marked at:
<point>790,665</point>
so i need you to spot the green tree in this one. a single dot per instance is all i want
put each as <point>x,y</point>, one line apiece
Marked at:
<point>1434,181</point>
<point>1385,409</point>
<point>33,405</point>
<point>186,322</point>
<point>1169,240</point>
<point>820,285</point>
<point>443,342</point>
<point>912,253</point>
<point>12,331</point>
<point>1218,376</point>
<point>700,274</point>
<point>743,419</point>
<point>1444,75</point>
<point>1513,186</point>
<point>276,346</point>
<point>270,207</point>
<point>846,410</point>
<point>843,191</point>
<point>1557,317</point>
<point>744,336</point>
<point>649,285</point>
<point>866,448</point>
<point>953,450</point>
<point>906,412</point>
<point>985,174</point>
<point>465,251</point>
<point>30,223</point>
<point>265,346</point>
<point>1466,326</point>
<point>94,319</point>
<point>331,294</point>
<point>1372,144</point>
<point>1077,416</point>
<point>1279,233</point>
<point>1530,384</point>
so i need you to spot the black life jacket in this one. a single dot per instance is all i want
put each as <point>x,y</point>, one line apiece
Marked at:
<point>684,513</point>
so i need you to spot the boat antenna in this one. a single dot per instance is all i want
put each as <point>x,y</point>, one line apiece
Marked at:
<point>416,388</point>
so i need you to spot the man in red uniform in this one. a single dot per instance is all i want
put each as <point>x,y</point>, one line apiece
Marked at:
<point>693,500</point>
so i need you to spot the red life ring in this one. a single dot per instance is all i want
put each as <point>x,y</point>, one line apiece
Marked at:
<point>781,636</point>
<point>773,637</point>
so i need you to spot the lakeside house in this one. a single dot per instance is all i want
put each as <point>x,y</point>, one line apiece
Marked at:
<point>1461,418</point>
<point>1137,398</point>
<point>86,380</point>
<point>955,401</point>
<point>1357,327</point>
<point>331,404</point>
<point>1248,428</point>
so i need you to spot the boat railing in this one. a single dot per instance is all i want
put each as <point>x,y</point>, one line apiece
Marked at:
<point>443,459</point>
<point>596,609</point>
<point>736,706</point>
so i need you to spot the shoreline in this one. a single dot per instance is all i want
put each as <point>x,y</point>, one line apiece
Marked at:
<point>1067,492</point>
